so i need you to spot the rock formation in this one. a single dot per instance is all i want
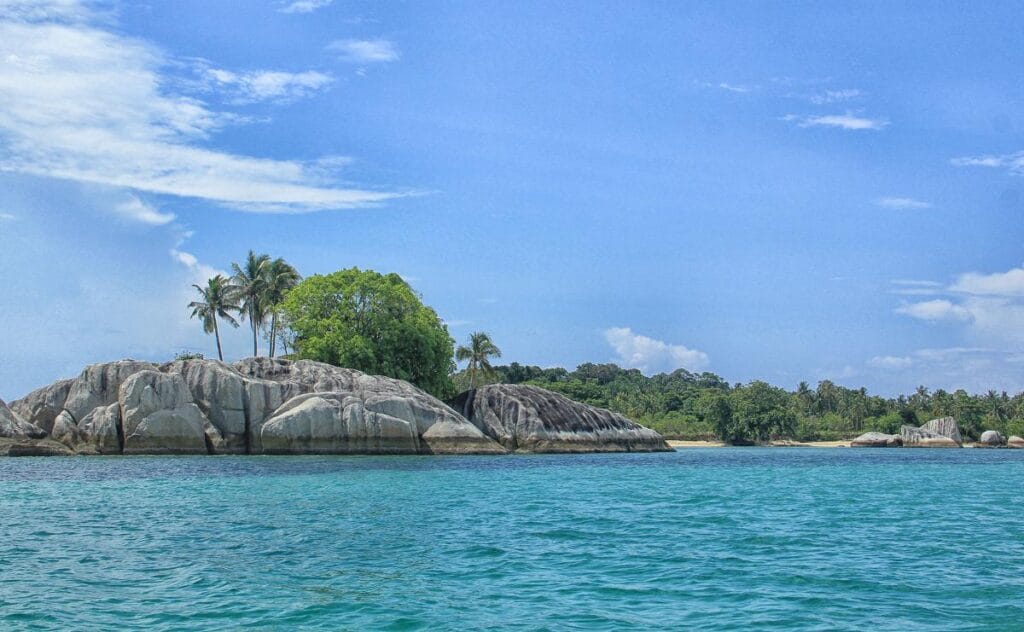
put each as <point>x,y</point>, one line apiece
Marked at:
<point>991,439</point>
<point>921,438</point>
<point>259,405</point>
<point>531,419</point>
<point>1015,442</point>
<point>14,427</point>
<point>877,440</point>
<point>946,427</point>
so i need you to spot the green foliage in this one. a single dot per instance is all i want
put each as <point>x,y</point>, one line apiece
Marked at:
<point>478,354</point>
<point>686,405</point>
<point>371,322</point>
<point>188,355</point>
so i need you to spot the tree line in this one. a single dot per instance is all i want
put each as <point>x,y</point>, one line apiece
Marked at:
<point>377,323</point>
<point>688,405</point>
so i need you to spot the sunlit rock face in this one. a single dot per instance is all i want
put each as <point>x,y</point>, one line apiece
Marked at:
<point>259,405</point>
<point>531,419</point>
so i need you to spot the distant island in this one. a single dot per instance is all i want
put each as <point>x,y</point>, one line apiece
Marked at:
<point>367,368</point>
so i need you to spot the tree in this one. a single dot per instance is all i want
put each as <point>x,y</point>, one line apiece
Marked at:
<point>371,322</point>
<point>281,277</point>
<point>217,301</point>
<point>250,283</point>
<point>480,348</point>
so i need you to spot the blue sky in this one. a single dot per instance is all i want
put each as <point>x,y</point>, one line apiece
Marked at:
<point>781,191</point>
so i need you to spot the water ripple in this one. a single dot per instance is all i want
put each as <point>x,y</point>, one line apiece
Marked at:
<point>709,539</point>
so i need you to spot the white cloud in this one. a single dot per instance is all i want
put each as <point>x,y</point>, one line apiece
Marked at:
<point>8,217</point>
<point>834,96</point>
<point>304,6</point>
<point>1014,162</point>
<point>847,121</point>
<point>935,310</point>
<point>268,85</point>
<point>890,362</point>
<point>902,203</point>
<point>916,283</point>
<point>84,104</point>
<point>1009,283</point>
<point>199,272</point>
<point>364,51</point>
<point>650,355</point>
<point>732,88</point>
<point>136,210</point>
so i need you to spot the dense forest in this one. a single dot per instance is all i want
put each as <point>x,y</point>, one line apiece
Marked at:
<point>685,405</point>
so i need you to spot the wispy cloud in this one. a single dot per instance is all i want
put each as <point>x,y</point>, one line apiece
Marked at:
<point>1005,284</point>
<point>136,210</point>
<point>935,310</point>
<point>8,217</point>
<point>1013,162</point>
<point>848,121</point>
<point>890,362</point>
<point>303,6</point>
<point>834,96</point>
<point>267,85</point>
<point>86,104</point>
<point>650,355</point>
<point>733,88</point>
<point>902,203</point>
<point>990,306</point>
<point>365,51</point>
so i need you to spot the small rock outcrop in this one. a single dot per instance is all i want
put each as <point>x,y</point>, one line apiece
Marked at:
<point>945,427</point>
<point>877,440</point>
<point>259,405</point>
<point>1015,442</point>
<point>991,439</point>
<point>921,438</point>
<point>531,419</point>
<point>14,427</point>
<point>42,406</point>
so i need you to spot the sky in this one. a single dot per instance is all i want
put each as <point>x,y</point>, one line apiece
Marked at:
<point>787,191</point>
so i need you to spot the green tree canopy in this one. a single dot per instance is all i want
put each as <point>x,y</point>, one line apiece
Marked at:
<point>372,322</point>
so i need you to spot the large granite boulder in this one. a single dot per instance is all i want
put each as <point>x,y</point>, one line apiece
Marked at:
<point>991,439</point>
<point>159,416</point>
<point>99,385</point>
<point>204,406</point>
<point>1015,442</point>
<point>877,440</point>
<point>42,406</point>
<point>333,423</point>
<point>370,405</point>
<point>921,438</point>
<point>220,393</point>
<point>532,419</point>
<point>14,427</point>
<point>946,427</point>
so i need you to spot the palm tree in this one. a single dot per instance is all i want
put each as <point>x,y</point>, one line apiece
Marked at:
<point>480,348</point>
<point>281,277</point>
<point>250,282</point>
<point>217,300</point>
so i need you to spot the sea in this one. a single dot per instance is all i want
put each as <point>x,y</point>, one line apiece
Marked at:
<point>696,539</point>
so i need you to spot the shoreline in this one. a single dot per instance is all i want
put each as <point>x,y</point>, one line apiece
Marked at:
<point>675,444</point>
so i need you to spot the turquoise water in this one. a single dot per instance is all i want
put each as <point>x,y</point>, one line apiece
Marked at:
<point>788,539</point>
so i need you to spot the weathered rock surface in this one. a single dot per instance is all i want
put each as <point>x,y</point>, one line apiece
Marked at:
<point>14,427</point>
<point>991,439</point>
<point>877,440</point>
<point>532,419</point>
<point>33,447</point>
<point>946,427</point>
<point>42,406</point>
<point>921,438</point>
<point>158,416</point>
<point>1015,442</point>
<point>260,405</point>
<point>370,406</point>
